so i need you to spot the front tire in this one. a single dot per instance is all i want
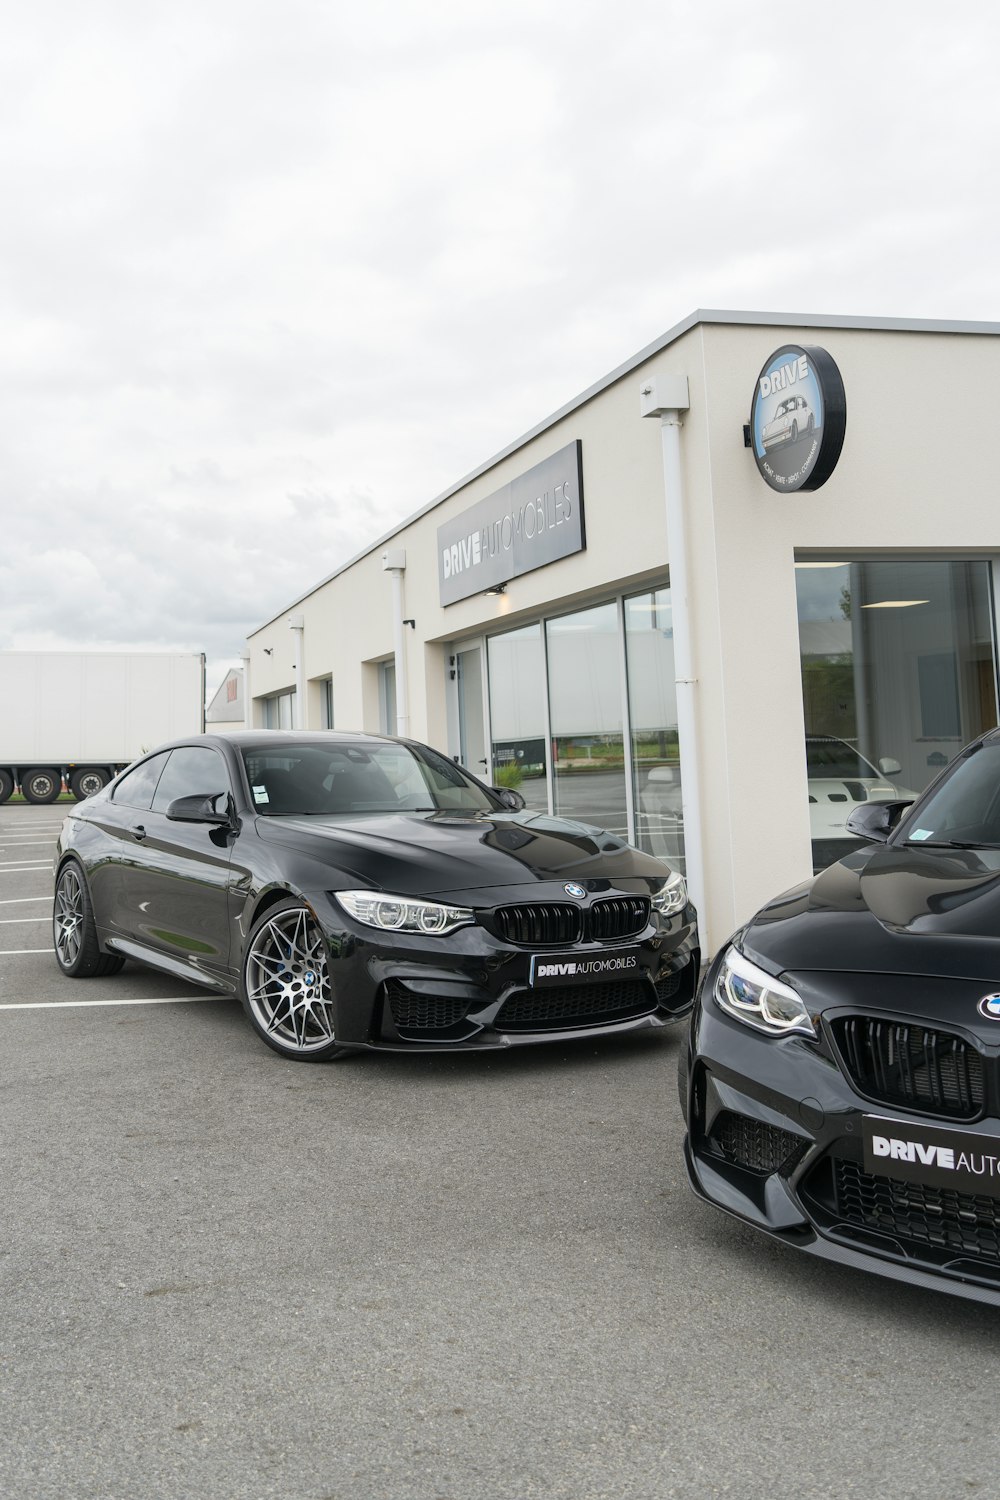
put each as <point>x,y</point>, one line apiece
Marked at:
<point>74,931</point>
<point>41,786</point>
<point>285,988</point>
<point>6,786</point>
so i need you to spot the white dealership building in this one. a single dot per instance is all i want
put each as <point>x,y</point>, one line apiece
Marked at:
<point>738,586</point>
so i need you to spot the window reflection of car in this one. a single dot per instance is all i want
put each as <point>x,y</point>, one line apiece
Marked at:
<point>793,417</point>
<point>839,779</point>
<point>660,812</point>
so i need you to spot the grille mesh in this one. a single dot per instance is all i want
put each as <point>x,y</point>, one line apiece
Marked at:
<point>553,924</point>
<point>541,925</point>
<point>574,1005</point>
<point>413,1012</point>
<point>934,1071</point>
<point>965,1223</point>
<point>752,1143</point>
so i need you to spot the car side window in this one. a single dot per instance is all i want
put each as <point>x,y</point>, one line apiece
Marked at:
<point>136,787</point>
<point>192,770</point>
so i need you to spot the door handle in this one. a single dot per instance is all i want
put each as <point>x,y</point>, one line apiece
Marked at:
<point>138,832</point>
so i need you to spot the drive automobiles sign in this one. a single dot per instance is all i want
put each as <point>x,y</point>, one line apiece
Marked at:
<point>535,519</point>
<point>798,418</point>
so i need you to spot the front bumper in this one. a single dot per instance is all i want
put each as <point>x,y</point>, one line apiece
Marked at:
<point>776,1138</point>
<point>470,990</point>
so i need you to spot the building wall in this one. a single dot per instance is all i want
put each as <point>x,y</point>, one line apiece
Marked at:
<point>916,473</point>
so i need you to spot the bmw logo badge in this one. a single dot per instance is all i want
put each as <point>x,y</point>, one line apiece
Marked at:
<point>989,1006</point>
<point>572,889</point>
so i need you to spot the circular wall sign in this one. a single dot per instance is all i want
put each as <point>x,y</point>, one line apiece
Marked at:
<point>798,418</point>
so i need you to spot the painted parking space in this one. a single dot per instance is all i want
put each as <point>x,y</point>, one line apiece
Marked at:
<point>30,979</point>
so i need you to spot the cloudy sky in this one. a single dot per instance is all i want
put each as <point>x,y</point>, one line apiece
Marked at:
<point>274,273</point>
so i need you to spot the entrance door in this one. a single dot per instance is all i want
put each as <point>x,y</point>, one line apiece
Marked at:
<point>470,684</point>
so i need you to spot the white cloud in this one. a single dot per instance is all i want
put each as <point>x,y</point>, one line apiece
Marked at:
<point>272,276</point>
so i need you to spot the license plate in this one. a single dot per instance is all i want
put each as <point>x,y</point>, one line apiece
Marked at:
<point>936,1155</point>
<point>575,968</point>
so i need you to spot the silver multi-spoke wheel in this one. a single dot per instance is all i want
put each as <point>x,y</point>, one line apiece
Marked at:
<point>288,983</point>
<point>74,931</point>
<point>68,917</point>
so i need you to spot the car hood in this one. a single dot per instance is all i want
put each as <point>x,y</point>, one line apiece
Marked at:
<point>437,853</point>
<point>888,910</point>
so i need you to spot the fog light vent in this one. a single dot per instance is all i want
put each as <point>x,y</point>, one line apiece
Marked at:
<point>752,1144</point>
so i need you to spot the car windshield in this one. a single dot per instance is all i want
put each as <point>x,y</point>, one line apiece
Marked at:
<point>313,778</point>
<point>965,809</point>
<point>827,759</point>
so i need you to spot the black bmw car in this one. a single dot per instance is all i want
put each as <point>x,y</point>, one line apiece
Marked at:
<point>359,892</point>
<point>842,1081</point>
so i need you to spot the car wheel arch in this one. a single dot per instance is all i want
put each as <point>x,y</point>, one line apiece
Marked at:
<point>271,896</point>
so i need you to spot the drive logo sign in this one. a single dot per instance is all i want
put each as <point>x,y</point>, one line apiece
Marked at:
<point>798,418</point>
<point>965,1161</point>
<point>564,966</point>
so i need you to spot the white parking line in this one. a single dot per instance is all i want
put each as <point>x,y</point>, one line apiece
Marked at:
<point>22,864</point>
<point>21,900</point>
<point>13,952</point>
<point>18,921</point>
<point>93,1004</point>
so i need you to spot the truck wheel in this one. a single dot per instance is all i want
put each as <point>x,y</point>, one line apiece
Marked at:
<point>6,785</point>
<point>87,781</point>
<point>41,786</point>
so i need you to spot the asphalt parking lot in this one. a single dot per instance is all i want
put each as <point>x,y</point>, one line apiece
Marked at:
<point>226,1275</point>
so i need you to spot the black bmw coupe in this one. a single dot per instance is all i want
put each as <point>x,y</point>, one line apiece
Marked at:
<point>359,892</point>
<point>842,1081</point>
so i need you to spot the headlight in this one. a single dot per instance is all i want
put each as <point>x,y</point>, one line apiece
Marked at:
<point>672,896</point>
<point>759,999</point>
<point>400,914</point>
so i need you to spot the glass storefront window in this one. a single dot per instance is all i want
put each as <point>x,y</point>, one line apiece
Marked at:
<point>279,711</point>
<point>898,673</point>
<point>652,700</point>
<point>517,714</point>
<point>585,711</point>
<point>387,698</point>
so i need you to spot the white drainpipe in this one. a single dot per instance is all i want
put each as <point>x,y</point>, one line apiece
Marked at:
<point>666,397</point>
<point>247,700</point>
<point>297,625</point>
<point>394,562</point>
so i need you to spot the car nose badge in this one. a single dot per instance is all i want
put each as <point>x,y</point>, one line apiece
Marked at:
<point>989,1006</point>
<point>572,889</point>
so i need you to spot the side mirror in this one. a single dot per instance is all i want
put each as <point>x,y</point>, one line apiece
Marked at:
<point>875,821</point>
<point>510,799</point>
<point>889,767</point>
<point>200,808</point>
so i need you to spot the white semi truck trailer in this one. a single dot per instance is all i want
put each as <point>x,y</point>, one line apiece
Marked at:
<point>80,717</point>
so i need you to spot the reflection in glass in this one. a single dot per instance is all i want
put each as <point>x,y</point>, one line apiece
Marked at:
<point>898,673</point>
<point>585,708</point>
<point>652,697</point>
<point>517,714</point>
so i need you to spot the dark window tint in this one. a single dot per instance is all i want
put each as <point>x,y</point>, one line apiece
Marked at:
<point>136,787</point>
<point>966,807</point>
<point>191,771</point>
<point>341,780</point>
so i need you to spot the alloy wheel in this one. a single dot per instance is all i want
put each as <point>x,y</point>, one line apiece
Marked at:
<point>288,984</point>
<point>68,918</point>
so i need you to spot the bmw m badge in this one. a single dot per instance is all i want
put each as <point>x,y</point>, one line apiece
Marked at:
<point>572,889</point>
<point>989,1006</point>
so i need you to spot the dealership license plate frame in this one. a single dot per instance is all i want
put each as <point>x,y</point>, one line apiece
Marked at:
<point>965,1145</point>
<point>584,968</point>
